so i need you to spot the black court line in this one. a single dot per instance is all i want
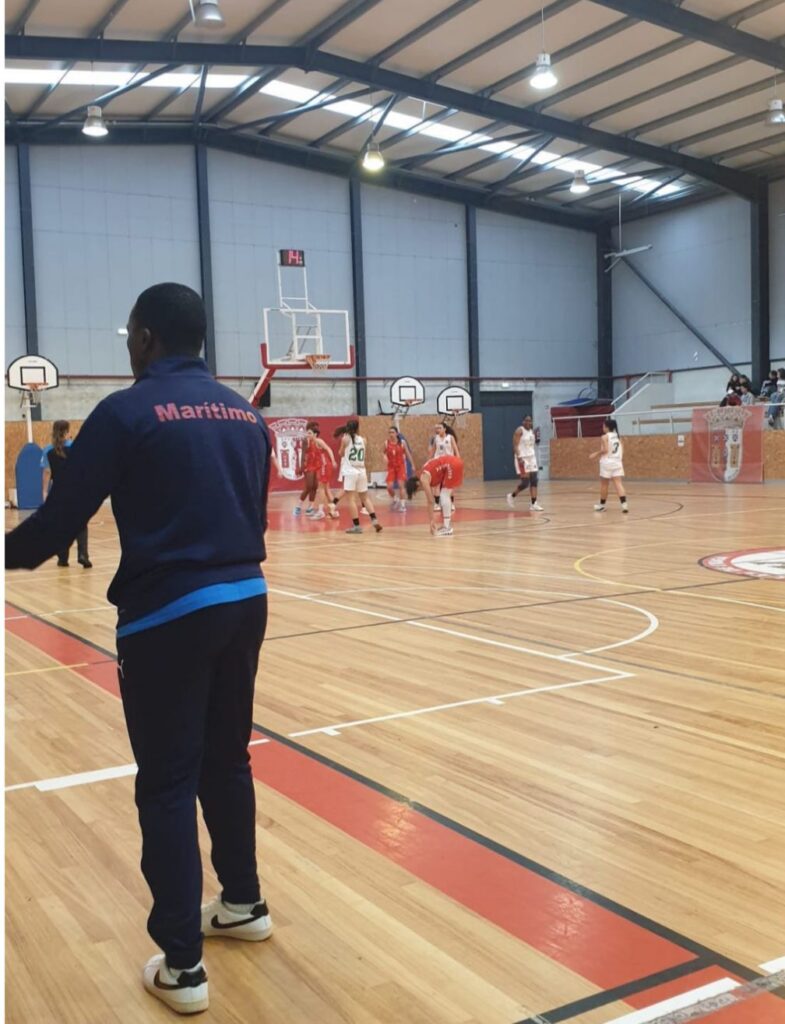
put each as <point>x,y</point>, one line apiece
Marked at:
<point>708,956</point>
<point>703,953</point>
<point>620,992</point>
<point>314,598</point>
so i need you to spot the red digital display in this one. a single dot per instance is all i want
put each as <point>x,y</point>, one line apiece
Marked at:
<point>291,257</point>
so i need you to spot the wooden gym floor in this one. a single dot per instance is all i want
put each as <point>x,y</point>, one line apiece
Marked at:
<point>532,772</point>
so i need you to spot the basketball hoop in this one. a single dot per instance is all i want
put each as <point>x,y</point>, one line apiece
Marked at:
<point>30,396</point>
<point>319,362</point>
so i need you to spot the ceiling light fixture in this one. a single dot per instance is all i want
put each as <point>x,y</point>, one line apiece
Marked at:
<point>207,13</point>
<point>776,112</point>
<point>373,159</point>
<point>94,123</point>
<point>579,184</point>
<point>543,77</point>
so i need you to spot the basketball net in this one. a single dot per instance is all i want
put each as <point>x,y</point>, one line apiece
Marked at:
<point>318,362</point>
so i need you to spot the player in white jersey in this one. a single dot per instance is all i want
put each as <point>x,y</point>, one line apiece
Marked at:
<point>611,466</point>
<point>443,442</point>
<point>354,475</point>
<point>524,450</point>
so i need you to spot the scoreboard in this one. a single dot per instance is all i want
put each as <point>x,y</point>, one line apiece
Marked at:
<point>291,257</point>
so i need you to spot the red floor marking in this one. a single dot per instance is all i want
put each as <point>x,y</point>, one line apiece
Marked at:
<point>598,944</point>
<point>765,1009</point>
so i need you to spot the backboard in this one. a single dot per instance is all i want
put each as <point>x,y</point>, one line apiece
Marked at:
<point>454,401</point>
<point>407,391</point>
<point>32,373</point>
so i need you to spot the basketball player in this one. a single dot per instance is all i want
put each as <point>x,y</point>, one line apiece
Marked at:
<point>319,462</point>
<point>611,467</point>
<point>444,442</point>
<point>354,475</point>
<point>446,473</point>
<point>327,467</point>
<point>186,463</point>
<point>311,461</point>
<point>395,456</point>
<point>524,450</point>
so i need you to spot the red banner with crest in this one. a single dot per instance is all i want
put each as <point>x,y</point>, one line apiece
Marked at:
<point>727,444</point>
<point>288,436</point>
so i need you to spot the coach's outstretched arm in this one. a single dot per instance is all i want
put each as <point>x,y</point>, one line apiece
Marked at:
<point>89,476</point>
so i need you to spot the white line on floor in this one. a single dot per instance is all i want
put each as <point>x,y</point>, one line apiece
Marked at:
<point>336,728</point>
<point>655,1012</point>
<point>86,778</point>
<point>772,966</point>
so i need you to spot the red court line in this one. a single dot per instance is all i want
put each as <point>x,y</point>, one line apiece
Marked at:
<point>600,945</point>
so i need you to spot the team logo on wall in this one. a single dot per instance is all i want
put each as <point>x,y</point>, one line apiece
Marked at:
<point>289,443</point>
<point>726,441</point>
<point>759,563</point>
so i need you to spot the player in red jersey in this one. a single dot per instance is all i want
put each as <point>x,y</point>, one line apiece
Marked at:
<point>313,452</point>
<point>395,456</point>
<point>327,466</point>
<point>446,473</point>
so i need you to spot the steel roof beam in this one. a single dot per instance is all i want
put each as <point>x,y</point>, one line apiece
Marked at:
<point>469,142</point>
<point>525,25</point>
<point>518,172</point>
<point>298,156</point>
<point>169,99</point>
<point>274,121</point>
<point>345,126</point>
<point>21,22</point>
<point>415,129</point>
<point>107,97</point>
<point>701,29</point>
<point>41,47</point>
<point>259,20</point>
<point>464,172</point>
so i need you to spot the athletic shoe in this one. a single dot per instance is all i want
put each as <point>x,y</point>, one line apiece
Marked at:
<point>333,513</point>
<point>62,565</point>
<point>182,991</point>
<point>378,527</point>
<point>364,511</point>
<point>511,501</point>
<point>354,529</point>
<point>536,507</point>
<point>624,507</point>
<point>395,504</point>
<point>437,507</point>
<point>599,507</point>
<point>401,506</point>
<point>218,921</point>
<point>318,515</point>
<point>85,563</point>
<point>444,531</point>
<point>297,511</point>
<point>310,511</point>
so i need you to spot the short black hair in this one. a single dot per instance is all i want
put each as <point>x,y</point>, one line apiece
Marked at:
<point>174,314</point>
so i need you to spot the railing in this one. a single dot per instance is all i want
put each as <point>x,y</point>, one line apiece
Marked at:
<point>637,388</point>
<point>680,415</point>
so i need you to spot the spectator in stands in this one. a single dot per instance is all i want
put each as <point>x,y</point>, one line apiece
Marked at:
<point>733,384</point>
<point>731,398</point>
<point>776,410</point>
<point>769,385</point>
<point>747,397</point>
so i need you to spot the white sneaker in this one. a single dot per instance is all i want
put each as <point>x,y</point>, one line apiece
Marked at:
<point>318,515</point>
<point>333,513</point>
<point>219,921</point>
<point>395,505</point>
<point>624,507</point>
<point>511,501</point>
<point>364,511</point>
<point>182,991</point>
<point>536,507</point>
<point>443,531</point>
<point>599,507</point>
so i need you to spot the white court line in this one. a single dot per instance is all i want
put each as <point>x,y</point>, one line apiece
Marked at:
<point>86,778</point>
<point>652,1013</point>
<point>572,659</point>
<point>336,728</point>
<point>654,623</point>
<point>772,966</point>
